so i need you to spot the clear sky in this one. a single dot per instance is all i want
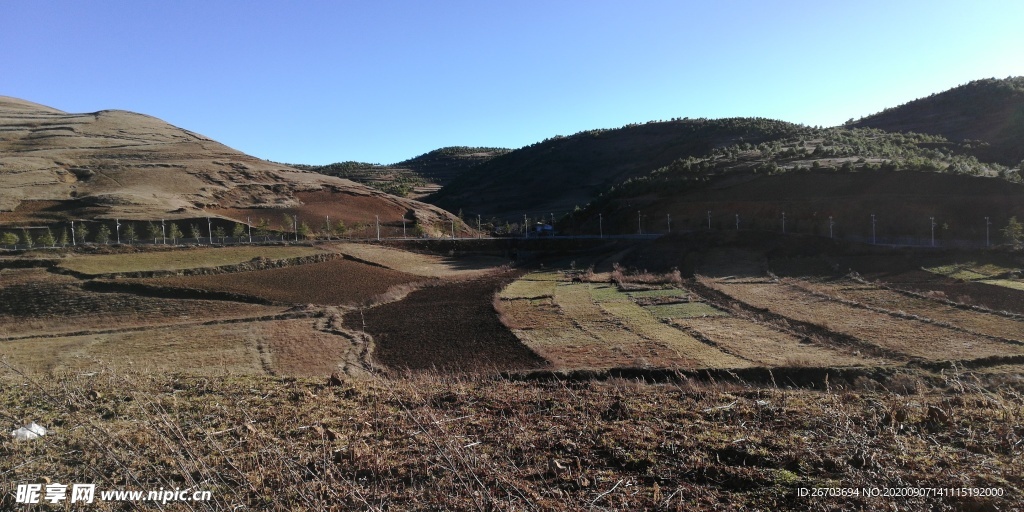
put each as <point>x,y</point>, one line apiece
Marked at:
<point>382,81</point>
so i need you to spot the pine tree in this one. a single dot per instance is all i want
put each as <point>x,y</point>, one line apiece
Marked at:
<point>9,239</point>
<point>103,234</point>
<point>26,239</point>
<point>174,233</point>
<point>65,239</point>
<point>129,234</point>
<point>46,239</point>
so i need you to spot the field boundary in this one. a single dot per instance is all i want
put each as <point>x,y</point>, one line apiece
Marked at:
<point>817,377</point>
<point>171,292</point>
<point>287,315</point>
<point>248,266</point>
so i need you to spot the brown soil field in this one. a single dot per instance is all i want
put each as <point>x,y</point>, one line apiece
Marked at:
<point>298,348</point>
<point>36,302</point>
<point>887,300</point>
<point>448,327</point>
<point>997,298</point>
<point>766,346</point>
<point>230,348</point>
<point>335,282</point>
<point>426,265</point>
<point>911,338</point>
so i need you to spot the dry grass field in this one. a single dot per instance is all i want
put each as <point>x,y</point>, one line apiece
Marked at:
<point>902,336</point>
<point>378,388</point>
<point>426,265</point>
<point>179,259</point>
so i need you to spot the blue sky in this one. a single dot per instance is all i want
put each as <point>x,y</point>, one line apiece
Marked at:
<point>380,81</point>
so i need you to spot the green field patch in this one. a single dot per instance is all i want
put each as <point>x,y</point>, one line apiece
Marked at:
<point>1005,283</point>
<point>528,289</point>
<point>182,259</point>
<point>684,310</point>
<point>608,293</point>
<point>658,294</point>
<point>970,271</point>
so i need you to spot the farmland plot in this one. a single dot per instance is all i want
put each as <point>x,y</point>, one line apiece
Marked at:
<point>882,299</point>
<point>597,326</point>
<point>767,346</point>
<point>36,302</point>
<point>334,282</point>
<point>911,338</point>
<point>426,265</point>
<point>181,258</point>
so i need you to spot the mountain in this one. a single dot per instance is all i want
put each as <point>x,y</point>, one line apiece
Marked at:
<point>560,173</point>
<point>989,113</point>
<point>416,176</point>
<point>56,166</point>
<point>813,177</point>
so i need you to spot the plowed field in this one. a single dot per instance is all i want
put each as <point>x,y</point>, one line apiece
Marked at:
<point>335,282</point>
<point>446,327</point>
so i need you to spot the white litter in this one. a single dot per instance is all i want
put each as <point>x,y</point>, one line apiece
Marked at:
<point>31,431</point>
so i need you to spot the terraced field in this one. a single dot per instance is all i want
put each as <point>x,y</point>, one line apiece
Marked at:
<point>34,302</point>
<point>180,259</point>
<point>597,325</point>
<point>334,282</point>
<point>898,336</point>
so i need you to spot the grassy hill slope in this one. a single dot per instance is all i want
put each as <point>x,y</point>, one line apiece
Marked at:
<point>55,166</point>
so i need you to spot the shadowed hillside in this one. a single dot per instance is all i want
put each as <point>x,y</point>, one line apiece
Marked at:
<point>562,172</point>
<point>989,112</point>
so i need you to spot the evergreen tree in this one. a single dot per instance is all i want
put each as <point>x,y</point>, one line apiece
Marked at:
<point>174,233</point>
<point>9,239</point>
<point>238,231</point>
<point>26,239</point>
<point>194,232</point>
<point>81,233</point>
<point>1014,232</point>
<point>153,231</point>
<point>46,239</point>
<point>103,234</point>
<point>219,233</point>
<point>129,234</point>
<point>304,231</point>
<point>65,239</point>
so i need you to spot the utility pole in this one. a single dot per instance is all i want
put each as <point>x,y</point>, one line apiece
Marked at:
<point>639,227</point>
<point>73,233</point>
<point>830,224</point>
<point>783,223</point>
<point>403,226</point>
<point>874,240</point>
<point>479,229</point>
<point>248,224</point>
<point>209,229</point>
<point>526,231</point>
<point>328,227</point>
<point>163,232</point>
<point>600,225</point>
<point>987,224</point>
<point>709,220</point>
<point>117,229</point>
<point>453,228</point>
<point>932,219</point>
<point>295,227</point>
<point>378,226</point>
<point>669,217</point>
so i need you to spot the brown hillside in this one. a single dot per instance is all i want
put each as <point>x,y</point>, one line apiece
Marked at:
<point>55,166</point>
